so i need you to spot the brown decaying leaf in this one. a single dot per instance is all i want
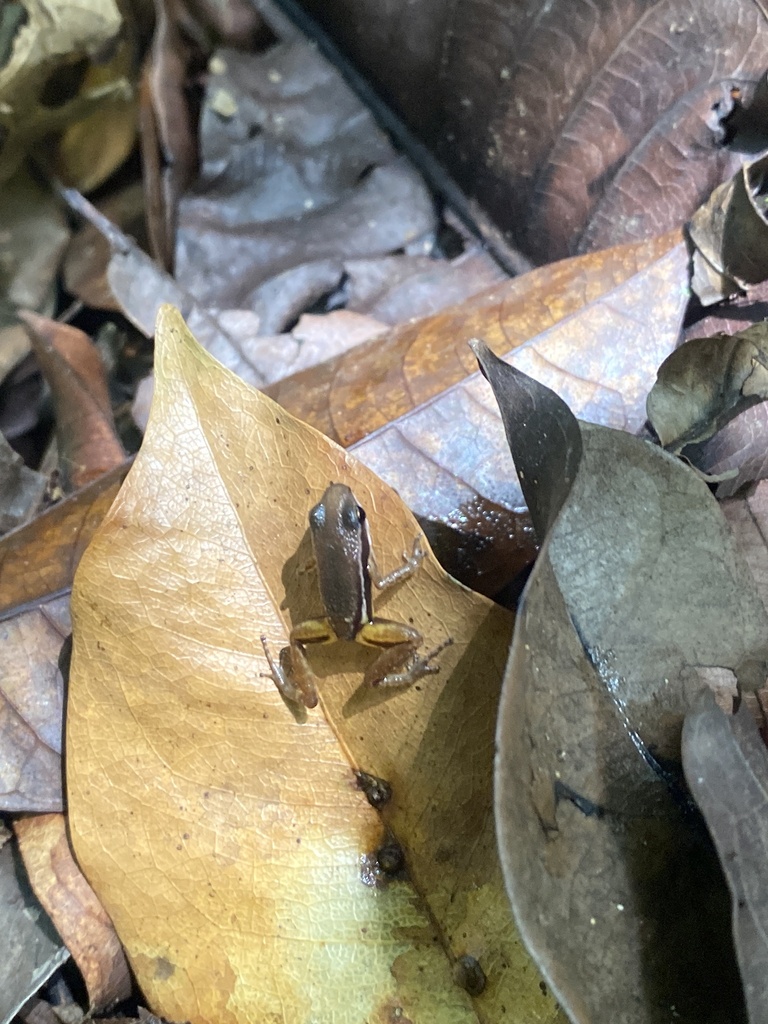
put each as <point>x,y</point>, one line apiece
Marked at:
<point>638,584</point>
<point>726,765</point>
<point>31,708</point>
<point>573,128</point>
<point>225,836</point>
<point>730,235</point>
<point>169,144</point>
<point>74,370</point>
<point>73,907</point>
<point>40,558</point>
<point>706,382</point>
<point>30,949</point>
<point>580,326</point>
<point>579,309</point>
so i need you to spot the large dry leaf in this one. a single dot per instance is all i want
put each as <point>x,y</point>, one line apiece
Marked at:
<point>726,765</point>
<point>74,909</point>
<point>30,949</point>
<point>638,588</point>
<point>224,833</point>
<point>574,127</point>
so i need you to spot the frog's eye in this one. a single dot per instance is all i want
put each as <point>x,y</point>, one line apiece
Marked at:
<point>317,517</point>
<point>351,516</point>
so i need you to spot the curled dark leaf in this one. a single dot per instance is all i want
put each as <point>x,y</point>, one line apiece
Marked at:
<point>705,382</point>
<point>730,235</point>
<point>542,433</point>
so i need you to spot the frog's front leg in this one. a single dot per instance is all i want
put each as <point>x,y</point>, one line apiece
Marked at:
<point>399,663</point>
<point>403,572</point>
<point>292,672</point>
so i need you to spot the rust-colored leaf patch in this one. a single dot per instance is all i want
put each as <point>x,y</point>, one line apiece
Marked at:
<point>88,444</point>
<point>74,909</point>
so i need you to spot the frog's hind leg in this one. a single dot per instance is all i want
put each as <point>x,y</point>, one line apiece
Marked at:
<point>399,663</point>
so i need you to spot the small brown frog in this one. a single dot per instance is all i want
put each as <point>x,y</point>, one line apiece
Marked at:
<point>346,570</point>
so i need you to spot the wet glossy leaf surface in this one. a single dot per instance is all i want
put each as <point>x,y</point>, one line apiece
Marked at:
<point>434,434</point>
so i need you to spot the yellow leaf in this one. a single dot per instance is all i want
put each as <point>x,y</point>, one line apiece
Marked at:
<point>223,830</point>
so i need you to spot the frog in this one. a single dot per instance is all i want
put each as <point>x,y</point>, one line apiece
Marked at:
<point>346,572</point>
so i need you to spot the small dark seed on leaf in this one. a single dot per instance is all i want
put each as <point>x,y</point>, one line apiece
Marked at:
<point>468,973</point>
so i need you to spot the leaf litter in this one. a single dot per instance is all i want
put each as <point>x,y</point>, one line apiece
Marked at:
<point>483,957</point>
